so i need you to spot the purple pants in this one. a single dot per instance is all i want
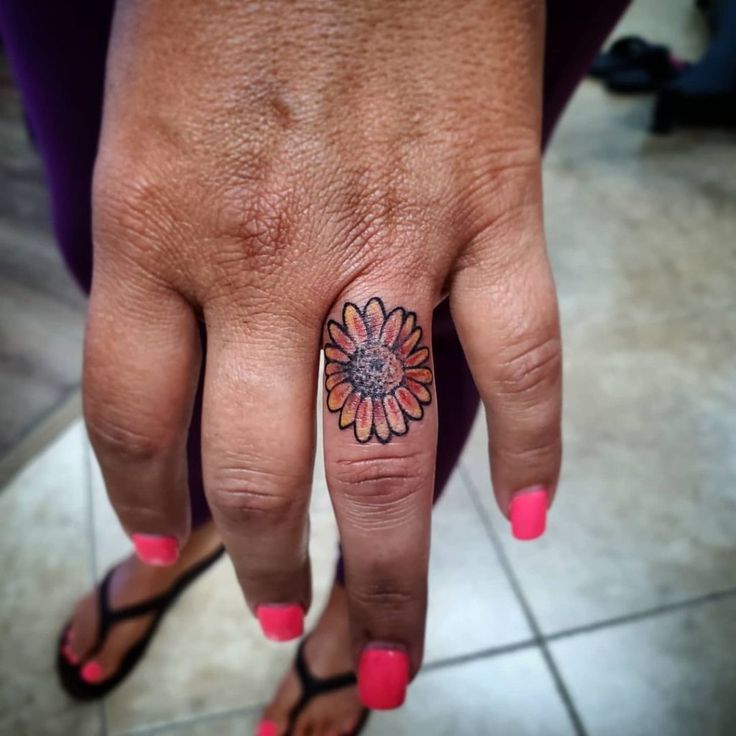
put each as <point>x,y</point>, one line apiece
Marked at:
<point>57,51</point>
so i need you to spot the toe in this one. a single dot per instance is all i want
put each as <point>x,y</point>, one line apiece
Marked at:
<point>267,728</point>
<point>92,672</point>
<point>69,654</point>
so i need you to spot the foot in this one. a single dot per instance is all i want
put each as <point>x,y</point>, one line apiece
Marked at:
<point>132,582</point>
<point>328,653</point>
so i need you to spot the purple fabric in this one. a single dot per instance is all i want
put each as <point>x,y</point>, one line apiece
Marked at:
<point>57,51</point>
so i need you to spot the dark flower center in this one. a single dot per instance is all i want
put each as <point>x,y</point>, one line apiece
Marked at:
<point>375,370</point>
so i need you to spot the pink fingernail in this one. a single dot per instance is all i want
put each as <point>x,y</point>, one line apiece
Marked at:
<point>266,728</point>
<point>528,513</point>
<point>383,676</point>
<point>156,550</point>
<point>281,622</point>
<point>69,654</point>
<point>91,672</point>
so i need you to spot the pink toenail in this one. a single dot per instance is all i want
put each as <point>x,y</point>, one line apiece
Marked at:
<point>156,550</point>
<point>68,652</point>
<point>266,728</point>
<point>91,672</point>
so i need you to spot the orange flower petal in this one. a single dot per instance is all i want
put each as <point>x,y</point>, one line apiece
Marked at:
<point>340,338</point>
<point>410,343</point>
<point>409,403</point>
<point>337,396</point>
<point>354,324</point>
<point>334,380</point>
<point>349,408</point>
<point>333,353</point>
<point>423,375</point>
<point>383,432</point>
<point>364,420</point>
<point>394,415</point>
<point>417,357</point>
<point>374,317</point>
<point>392,327</point>
<point>419,390</point>
<point>331,368</point>
<point>407,327</point>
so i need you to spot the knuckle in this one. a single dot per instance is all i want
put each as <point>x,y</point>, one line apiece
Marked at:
<point>542,450</point>
<point>265,222</point>
<point>125,203</point>
<point>134,440</point>
<point>530,366</point>
<point>385,596</point>
<point>138,217</point>
<point>242,495</point>
<point>381,492</point>
<point>388,479</point>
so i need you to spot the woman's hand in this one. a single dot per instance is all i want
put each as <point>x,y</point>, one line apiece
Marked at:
<point>307,175</point>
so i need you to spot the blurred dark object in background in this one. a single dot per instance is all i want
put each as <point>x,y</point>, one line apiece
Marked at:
<point>634,65</point>
<point>702,93</point>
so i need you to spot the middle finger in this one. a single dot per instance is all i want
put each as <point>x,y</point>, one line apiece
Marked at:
<point>380,429</point>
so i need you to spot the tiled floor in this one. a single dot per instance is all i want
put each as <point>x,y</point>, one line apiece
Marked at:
<point>622,620</point>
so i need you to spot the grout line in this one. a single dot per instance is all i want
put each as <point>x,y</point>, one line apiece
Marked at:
<point>461,659</point>
<point>539,639</point>
<point>40,436</point>
<point>212,716</point>
<point>92,553</point>
<point>515,584</point>
<point>654,612</point>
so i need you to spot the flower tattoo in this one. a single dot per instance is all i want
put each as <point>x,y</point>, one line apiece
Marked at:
<point>376,371</point>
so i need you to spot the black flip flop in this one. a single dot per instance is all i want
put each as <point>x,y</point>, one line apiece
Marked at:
<point>313,687</point>
<point>70,674</point>
<point>623,54</point>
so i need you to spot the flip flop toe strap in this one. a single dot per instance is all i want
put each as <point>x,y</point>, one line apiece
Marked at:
<point>313,686</point>
<point>110,616</point>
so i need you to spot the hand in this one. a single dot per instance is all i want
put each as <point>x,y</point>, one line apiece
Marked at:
<point>318,174</point>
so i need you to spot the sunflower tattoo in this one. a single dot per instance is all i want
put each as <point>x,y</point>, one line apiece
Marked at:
<point>376,371</point>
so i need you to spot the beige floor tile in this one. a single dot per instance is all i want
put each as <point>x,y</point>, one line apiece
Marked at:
<point>228,665</point>
<point>41,357</point>
<point>673,674</point>
<point>639,225</point>
<point>209,654</point>
<point>225,725</point>
<point>471,605</point>
<point>646,510</point>
<point>635,230</point>
<point>510,694</point>
<point>45,551</point>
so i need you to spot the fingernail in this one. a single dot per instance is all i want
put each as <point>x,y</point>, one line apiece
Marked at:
<point>383,675</point>
<point>156,550</point>
<point>281,622</point>
<point>528,513</point>
<point>68,652</point>
<point>266,728</point>
<point>91,672</point>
